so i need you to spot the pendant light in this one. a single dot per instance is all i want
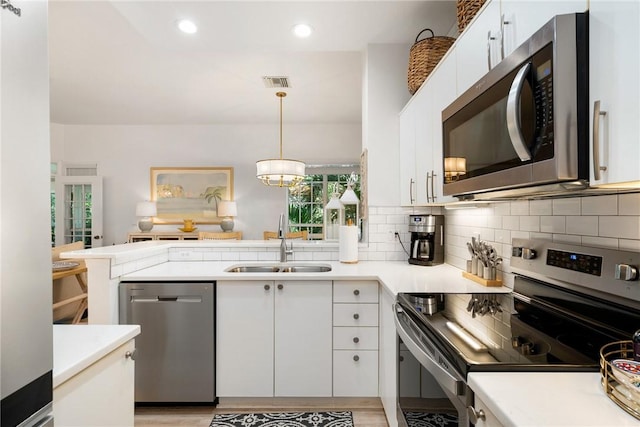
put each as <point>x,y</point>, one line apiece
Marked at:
<point>280,172</point>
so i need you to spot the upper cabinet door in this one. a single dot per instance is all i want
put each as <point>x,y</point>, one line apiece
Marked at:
<point>477,48</point>
<point>422,157</point>
<point>520,19</point>
<point>407,129</point>
<point>614,91</point>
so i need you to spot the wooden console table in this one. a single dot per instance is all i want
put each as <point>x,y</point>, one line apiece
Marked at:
<point>76,271</point>
<point>161,235</point>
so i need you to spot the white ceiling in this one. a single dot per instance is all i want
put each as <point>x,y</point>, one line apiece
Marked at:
<point>125,62</point>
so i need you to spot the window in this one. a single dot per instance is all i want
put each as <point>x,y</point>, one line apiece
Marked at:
<point>307,200</point>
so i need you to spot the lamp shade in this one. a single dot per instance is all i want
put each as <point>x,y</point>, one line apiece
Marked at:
<point>227,208</point>
<point>146,208</point>
<point>280,172</point>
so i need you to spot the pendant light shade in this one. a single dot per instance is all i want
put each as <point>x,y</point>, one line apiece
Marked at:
<point>280,172</point>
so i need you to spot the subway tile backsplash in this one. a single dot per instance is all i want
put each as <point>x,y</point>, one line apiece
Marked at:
<point>611,221</point>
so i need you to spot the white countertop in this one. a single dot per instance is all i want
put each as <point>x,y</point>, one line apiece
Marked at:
<point>556,399</point>
<point>75,347</point>
<point>396,276</point>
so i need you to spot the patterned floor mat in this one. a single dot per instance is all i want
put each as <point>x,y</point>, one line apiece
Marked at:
<point>284,419</point>
<point>422,419</point>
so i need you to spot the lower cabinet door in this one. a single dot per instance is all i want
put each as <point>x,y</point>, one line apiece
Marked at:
<point>355,373</point>
<point>102,395</point>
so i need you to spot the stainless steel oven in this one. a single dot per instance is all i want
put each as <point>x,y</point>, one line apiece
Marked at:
<point>524,125</point>
<point>567,302</point>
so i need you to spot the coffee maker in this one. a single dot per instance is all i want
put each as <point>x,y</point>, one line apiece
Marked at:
<point>427,239</point>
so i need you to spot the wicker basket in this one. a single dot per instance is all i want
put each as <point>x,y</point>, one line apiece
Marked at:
<point>424,56</point>
<point>466,10</point>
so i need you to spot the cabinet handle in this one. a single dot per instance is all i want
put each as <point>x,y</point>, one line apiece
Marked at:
<point>433,187</point>
<point>356,358</point>
<point>280,286</point>
<point>475,416</point>
<point>356,340</point>
<point>130,355</point>
<point>596,140</point>
<point>356,316</point>
<point>503,22</point>
<point>411,182</point>
<point>426,185</point>
<point>267,287</point>
<point>489,38</point>
<point>402,358</point>
<point>356,292</point>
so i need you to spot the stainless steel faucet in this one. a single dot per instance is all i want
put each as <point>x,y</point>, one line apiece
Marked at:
<point>283,240</point>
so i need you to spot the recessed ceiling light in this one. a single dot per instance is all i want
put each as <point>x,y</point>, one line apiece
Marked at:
<point>187,26</point>
<point>302,30</point>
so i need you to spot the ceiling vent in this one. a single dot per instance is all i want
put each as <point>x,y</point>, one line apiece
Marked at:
<point>276,81</point>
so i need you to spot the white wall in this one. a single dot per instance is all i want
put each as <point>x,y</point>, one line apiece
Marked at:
<point>124,155</point>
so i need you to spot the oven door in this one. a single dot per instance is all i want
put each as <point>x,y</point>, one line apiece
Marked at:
<point>430,392</point>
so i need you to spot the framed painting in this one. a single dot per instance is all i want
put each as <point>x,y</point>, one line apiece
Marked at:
<point>190,193</point>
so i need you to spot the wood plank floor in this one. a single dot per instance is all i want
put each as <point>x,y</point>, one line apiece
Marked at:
<point>366,412</point>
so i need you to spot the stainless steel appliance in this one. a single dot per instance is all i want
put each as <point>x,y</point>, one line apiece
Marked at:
<point>523,128</point>
<point>175,355</point>
<point>567,302</point>
<point>427,239</point>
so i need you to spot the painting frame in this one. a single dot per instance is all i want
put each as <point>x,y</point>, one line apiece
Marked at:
<point>190,193</point>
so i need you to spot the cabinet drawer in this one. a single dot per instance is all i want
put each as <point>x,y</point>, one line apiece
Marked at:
<point>355,291</point>
<point>355,314</point>
<point>355,373</point>
<point>354,338</point>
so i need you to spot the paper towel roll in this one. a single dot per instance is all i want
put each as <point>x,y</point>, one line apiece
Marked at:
<point>348,244</point>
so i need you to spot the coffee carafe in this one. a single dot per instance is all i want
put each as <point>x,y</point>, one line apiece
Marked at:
<point>427,239</point>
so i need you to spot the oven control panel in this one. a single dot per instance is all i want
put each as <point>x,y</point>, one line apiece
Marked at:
<point>589,264</point>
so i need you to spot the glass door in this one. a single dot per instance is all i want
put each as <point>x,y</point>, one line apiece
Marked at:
<point>78,211</point>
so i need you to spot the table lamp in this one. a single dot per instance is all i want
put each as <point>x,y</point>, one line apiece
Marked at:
<point>227,210</point>
<point>145,210</point>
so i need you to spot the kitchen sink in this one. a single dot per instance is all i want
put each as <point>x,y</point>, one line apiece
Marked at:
<point>254,269</point>
<point>280,268</point>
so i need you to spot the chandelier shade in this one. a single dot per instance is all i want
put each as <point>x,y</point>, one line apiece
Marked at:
<point>280,172</point>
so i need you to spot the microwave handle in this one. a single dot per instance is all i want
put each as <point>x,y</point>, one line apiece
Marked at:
<point>513,114</point>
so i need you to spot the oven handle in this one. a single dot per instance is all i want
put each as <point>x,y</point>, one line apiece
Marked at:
<point>447,381</point>
<point>513,114</point>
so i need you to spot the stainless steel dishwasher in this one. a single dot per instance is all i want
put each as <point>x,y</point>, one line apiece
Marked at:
<point>175,354</point>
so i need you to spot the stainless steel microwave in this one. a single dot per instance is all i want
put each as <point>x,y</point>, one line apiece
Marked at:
<point>523,128</point>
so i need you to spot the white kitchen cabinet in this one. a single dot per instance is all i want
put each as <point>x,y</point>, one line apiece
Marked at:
<point>443,94</point>
<point>485,418</point>
<point>407,141</point>
<point>477,48</point>
<point>244,338</point>
<point>269,334</point>
<point>355,338</point>
<point>613,73</point>
<point>303,338</point>
<point>80,400</point>
<point>520,19</point>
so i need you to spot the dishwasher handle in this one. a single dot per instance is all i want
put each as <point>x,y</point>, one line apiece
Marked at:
<point>159,298</point>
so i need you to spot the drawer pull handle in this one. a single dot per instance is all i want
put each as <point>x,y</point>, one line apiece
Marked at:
<point>267,287</point>
<point>356,292</point>
<point>280,286</point>
<point>356,340</point>
<point>356,316</point>
<point>130,355</point>
<point>356,358</point>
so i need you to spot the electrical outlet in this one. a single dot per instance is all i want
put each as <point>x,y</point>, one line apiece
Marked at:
<point>391,236</point>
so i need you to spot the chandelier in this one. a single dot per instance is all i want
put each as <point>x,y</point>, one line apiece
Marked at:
<point>280,172</point>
